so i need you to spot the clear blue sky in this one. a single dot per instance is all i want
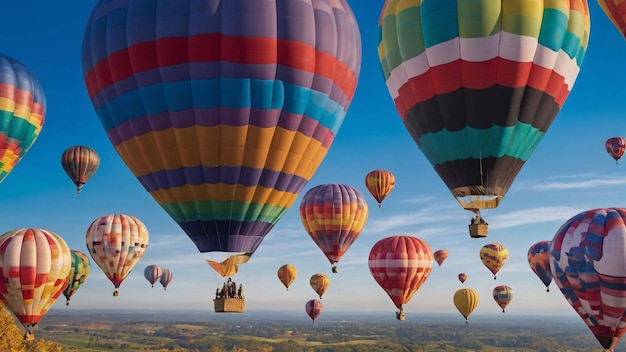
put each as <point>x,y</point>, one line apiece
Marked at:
<point>569,172</point>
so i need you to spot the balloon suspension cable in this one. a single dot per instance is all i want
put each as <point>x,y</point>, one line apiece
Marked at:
<point>480,154</point>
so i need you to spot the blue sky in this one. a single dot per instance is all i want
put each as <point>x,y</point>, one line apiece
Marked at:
<point>568,173</point>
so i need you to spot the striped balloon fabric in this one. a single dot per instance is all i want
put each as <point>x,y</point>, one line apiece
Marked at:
<point>222,109</point>
<point>380,183</point>
<point>493,256</point>
<point>80,163</point>
<point>34,269</point>
<point>588,263</point>
<point>539,261</point>
<point>166,278</point>
<point>615,146</point>
<point>502,295</point>
<point>400,265</point>
<point>116,243</point>
<point>22,112</point>
<point>615,10</point>
<point>478,82</point>
<point>79,271</point>
<point>334,216</point>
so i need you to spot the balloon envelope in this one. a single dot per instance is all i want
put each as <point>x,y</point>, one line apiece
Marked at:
<point>80,163</point>
<point>465,301</point>
<point>22,112</point>
<point>615,147</point>
<point>116,243</point>
<point>493,256</point>
<point>79,270</point>
<point>539,261</point>
<point>440,256</point>
<point>462,277</point>
<point>588,264</point>
<point>477,87</point>
<point>223,109</point>
<point>152,273</point>
<point>616,12</point>
<point>400,265</point>
<point>502,295</point>
<point>166,278</point>
<point>287,274</point>
<point>313,308</point>
<point>380,183</point>
<point>319,283</point>
<point>334,216</point>
<point>34,269</point>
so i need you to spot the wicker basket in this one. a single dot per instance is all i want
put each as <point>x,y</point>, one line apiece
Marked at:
<point>478,230</point>
<point>229,305</point>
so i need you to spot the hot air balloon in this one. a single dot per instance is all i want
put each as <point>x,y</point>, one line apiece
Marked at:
<point>588,264</point>
<point>34,269</point>
<point>380,183</point>
<point>400,265</point>
<point>465,301</point>
<point>334,216</point>
<point>223,110</point>
<point>440,256</point>
<point>313,308</point>
<point>615,147</point>
<point>153,273</point>
<point>80,163</point>
<point>539,261</point>
<point>615,10</point>
<point>319,284</point>
<point>477,87</point>
<point>462,277</point>
<point>493,256</point>
<point>116,242</point>
<point>286,274</point>
<point>502,295</point>
<point>79,270</point>
<point>166,278</point>
<point>22,112</point>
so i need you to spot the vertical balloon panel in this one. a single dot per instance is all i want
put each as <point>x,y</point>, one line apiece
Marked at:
<point>223,110</point>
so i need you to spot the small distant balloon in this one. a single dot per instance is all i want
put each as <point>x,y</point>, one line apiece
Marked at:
<point>503,295</point>
<point>79,270</point>
<point>493,256</point>
<point>380,183</point>
<point>539,261</point>
<point>462,277</point>
<point>166,278</point>
<point>615,147</point>
<point>80,163</point>
<point>152,273</point>
<point>287,274</point>
<point>319,283</point>
<point>440,256</point>
<point>313,308</point>
<point>465,301</point>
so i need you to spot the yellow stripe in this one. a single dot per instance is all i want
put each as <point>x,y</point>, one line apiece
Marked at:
<point>402,5</point>
<point>275,149</point>
<point>223,192</point>
<point>7,104</point>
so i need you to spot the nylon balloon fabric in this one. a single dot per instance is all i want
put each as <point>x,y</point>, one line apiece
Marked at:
<point>222,109</point>
<point>478,83</point>
<point>588,264</point>
<point>22,112</point>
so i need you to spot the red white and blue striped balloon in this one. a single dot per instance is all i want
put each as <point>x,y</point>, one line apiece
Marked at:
<point>223,109</point>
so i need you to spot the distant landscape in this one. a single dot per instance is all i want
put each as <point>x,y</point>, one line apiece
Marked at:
<point>125,330</point>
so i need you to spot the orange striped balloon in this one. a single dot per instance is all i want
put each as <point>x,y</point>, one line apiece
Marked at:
<point>80,163</point>
<point>380,183</point>
<point>615,10</point>
<point>34,269</point>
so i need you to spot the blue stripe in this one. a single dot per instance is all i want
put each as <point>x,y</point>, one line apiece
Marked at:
<point>227,92</point>
<point>440,25</point>
<point>518,141</point>
<point>554,30</point>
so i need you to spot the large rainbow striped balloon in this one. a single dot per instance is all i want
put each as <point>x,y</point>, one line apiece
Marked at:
<point>588,264</point>
<point>22,112</point>
<point>478,82</point>
<point>222,109</point>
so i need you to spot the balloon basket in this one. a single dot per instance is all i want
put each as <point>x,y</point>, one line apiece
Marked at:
<point>478,230</point>
<point>400,315</point>
<point>229,305</point>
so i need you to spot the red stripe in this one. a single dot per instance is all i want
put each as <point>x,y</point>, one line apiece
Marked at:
<point>216,47</point>
<point>447,78</point>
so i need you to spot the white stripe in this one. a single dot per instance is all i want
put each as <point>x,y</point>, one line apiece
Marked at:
<point>399,263</point>
<point>482,49</point>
